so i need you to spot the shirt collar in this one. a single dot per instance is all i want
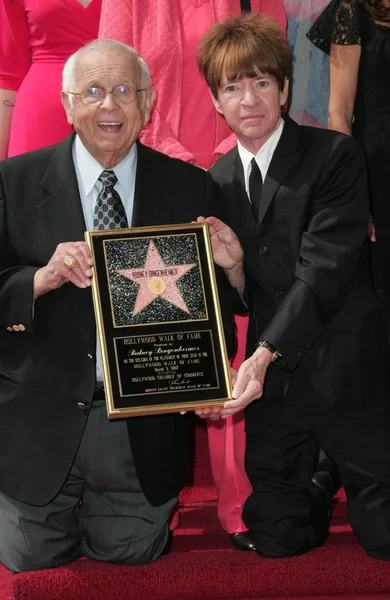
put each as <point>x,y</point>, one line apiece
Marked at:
<point>89,169</point>
<point>263,156</point>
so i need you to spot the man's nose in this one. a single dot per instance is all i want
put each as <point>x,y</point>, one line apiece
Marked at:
<point>249,96</point>
<point>109,102</point>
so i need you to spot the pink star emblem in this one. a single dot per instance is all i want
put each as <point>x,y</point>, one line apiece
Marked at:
<point>156,279</point>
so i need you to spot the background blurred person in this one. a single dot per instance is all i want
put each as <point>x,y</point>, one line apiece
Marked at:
<point>357,36</point>
<point>185,125</point>
<point>309,92</point>
<point>36,38</point>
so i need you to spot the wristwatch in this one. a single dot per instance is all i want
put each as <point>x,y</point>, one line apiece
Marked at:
<point>271,348</point>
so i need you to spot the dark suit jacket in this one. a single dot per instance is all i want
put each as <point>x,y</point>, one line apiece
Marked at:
<point>49,367</point>
<point>308,283</point>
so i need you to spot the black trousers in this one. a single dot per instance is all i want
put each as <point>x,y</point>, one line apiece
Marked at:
<point>281,454</point>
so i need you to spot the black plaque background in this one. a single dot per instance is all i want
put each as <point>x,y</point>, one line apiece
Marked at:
<point>206,366</point>
<point>161,402</point>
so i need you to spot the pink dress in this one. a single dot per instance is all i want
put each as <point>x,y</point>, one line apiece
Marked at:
<point>185,125</point>
<point>36,38</point>
<point>166,34</point>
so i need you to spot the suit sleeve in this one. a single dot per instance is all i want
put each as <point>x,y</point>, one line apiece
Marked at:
<point>16,280</point>
<point>330,251</point>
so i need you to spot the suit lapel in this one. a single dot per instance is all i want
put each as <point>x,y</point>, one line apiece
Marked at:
<point>150,205</point>
<point>285,156</point>
<point>63,215</point>
<point>61,209</point>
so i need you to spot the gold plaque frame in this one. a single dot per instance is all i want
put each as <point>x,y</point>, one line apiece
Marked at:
<point>158,319</point>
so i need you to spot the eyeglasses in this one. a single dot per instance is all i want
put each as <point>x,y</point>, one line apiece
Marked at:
<point>122,94</point>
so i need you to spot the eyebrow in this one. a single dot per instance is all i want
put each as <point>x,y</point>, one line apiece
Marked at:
<point>240,77</point>
<point>95,83</point>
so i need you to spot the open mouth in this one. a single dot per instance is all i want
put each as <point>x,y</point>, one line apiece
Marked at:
<point>110,126</point>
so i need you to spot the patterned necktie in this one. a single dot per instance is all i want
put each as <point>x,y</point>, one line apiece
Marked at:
<point>109,212</point>
<point>255,188</point>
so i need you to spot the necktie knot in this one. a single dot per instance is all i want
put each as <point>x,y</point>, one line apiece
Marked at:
<point>255,171</point>
<point>108,178</point>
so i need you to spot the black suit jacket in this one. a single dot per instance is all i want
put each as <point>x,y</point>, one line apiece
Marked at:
<point>308,283</point>
<point>49,367</point>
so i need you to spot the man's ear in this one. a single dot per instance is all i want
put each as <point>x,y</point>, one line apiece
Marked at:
<point>216,103</point>
<point>149,101</point>
<point>67,106</point>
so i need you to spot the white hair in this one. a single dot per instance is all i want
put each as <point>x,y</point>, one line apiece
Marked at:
<point>69,70</point>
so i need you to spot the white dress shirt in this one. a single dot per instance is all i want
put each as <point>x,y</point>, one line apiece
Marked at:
<point>263,156</point>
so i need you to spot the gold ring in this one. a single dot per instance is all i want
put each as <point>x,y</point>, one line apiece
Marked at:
<point>70,261</point>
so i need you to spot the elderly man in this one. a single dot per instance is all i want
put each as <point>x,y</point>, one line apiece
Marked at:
<point>73,483</point>
<point>318,364</point>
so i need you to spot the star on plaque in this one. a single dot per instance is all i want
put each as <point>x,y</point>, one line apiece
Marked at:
<point>156,279</point>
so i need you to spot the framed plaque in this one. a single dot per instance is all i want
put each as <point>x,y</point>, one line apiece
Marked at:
<point>158,319</point>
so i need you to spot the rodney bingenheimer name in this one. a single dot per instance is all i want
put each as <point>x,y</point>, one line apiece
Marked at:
<point>154,273</point>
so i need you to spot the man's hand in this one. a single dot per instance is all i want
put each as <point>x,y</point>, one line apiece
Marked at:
<point>250,382</point>
<point>213,412</point>
<point>227,250</point>
<point>56,273</point>
<point>209,412</point>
